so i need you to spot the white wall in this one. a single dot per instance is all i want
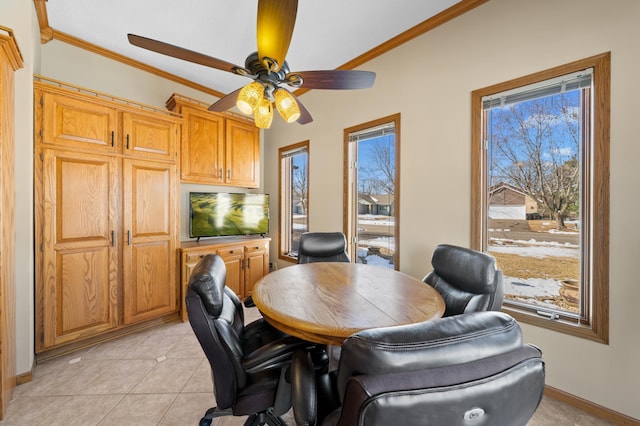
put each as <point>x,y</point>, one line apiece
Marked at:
<point>429,81</point>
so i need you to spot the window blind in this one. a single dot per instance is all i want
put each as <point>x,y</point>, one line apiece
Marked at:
<point>374,132</point>
<point>565,83</point>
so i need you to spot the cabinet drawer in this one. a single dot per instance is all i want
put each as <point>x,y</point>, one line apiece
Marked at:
<point>255,247</point>
<point>195,257</point>
<point>230,251</point>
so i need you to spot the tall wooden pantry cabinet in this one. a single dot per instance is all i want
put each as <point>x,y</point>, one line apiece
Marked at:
<point>106,197</point>
<point>10,61</point>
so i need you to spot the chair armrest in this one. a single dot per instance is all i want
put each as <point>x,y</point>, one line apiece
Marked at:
<point>274,354</point>
<point>261,327</point>
<point>304,398</point>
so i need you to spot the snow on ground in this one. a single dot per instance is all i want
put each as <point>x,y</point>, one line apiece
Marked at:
<point>533,248</point>
<point>530,288</point>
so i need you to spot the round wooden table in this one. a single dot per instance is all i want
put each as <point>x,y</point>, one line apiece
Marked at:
<point>328,302</point>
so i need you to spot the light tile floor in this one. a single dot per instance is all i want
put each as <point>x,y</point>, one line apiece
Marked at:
<point>155,377</point>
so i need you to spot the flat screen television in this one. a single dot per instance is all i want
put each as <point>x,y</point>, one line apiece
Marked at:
<point>216,214</point>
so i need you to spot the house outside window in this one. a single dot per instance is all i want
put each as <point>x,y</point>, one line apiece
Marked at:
<point>294,198</point>
<point>540,199</point>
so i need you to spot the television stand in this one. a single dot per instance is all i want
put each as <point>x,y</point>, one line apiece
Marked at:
<point>246,260</point>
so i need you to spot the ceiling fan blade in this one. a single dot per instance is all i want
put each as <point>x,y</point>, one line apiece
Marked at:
<point>305,115</point>
<point>225,102</point>
<point>184,54</point>
<point>334,79</point>
<point>276,19</point>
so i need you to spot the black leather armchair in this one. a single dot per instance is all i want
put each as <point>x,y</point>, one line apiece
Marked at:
<point>467,280</point>
<point>464,370</point>
<point>248,364</point>
<point>322,247</point>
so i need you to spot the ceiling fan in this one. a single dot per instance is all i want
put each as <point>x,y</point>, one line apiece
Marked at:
<point>268,69</point>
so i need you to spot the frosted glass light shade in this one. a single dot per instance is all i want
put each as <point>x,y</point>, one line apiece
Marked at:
<point>250,97</point>
<point>287,105</point>
<point>263,114</point>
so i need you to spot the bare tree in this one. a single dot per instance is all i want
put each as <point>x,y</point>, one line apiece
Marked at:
<point>300,186</point>
<point>535,147</point>
<point>377,176</point>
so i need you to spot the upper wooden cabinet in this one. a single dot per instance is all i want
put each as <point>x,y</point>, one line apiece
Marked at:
<point>73,120</point>
<point>70,122</point>
<point>242,153</point>
<point>202,147</point>
<point>216,149</point>
<point>149,137</point>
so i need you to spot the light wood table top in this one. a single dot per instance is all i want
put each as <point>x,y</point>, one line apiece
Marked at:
<point>328,302</point>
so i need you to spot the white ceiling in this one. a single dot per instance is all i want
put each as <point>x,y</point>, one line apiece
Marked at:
<point>327,34</point>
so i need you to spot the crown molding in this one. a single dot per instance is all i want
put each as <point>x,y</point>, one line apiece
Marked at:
<point>74,41</point>
<point>9,47</point>
<point>47,34</point>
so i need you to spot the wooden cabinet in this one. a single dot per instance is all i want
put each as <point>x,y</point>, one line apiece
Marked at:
<point>10,61</point>
<point>78,253</point>
<point>216,149</point>
<point>106,212</point>
<point>247,260</point>
<point>149,137</point>
<point>72,122</point>
<point>242,153</point>
<point>202,147</point>
<point>257,265</point>
<point>149,240</point>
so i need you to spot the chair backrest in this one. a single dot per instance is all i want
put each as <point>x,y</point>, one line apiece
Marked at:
<point>217,319</point>
<point>468,280</point>
<point>462,370</point>
<point>322,247</point>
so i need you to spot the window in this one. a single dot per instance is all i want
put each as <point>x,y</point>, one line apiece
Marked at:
<point>540,193</point>
<point>371,191</point>
<point>294,197</point>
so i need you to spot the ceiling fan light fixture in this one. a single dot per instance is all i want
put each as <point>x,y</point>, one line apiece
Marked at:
<point>263,114</point>
<point>287,105</point>
<point>250,97</point>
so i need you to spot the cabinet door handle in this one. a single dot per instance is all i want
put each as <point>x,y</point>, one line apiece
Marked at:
<point>113,237</point>
<point>220,173</point>
<point>127,141</point>
<point>249,263</point>
<point>228,173</point>
<point>112,137</point>
<point>128,237</point>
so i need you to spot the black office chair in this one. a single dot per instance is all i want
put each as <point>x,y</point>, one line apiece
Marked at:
<point>248,364</point>
<point>322,247</point>
<point>467,280</point>
<point>463,370</point>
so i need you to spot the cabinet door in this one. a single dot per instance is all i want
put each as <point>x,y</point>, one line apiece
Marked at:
<point>74,123</point>
<point>233,259</point>
<point>202,147</point>
<point>79,285</point>
<point>257,266</point>
<point>149,136</point>
<point>149,256</point>
<point>242,152</point>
